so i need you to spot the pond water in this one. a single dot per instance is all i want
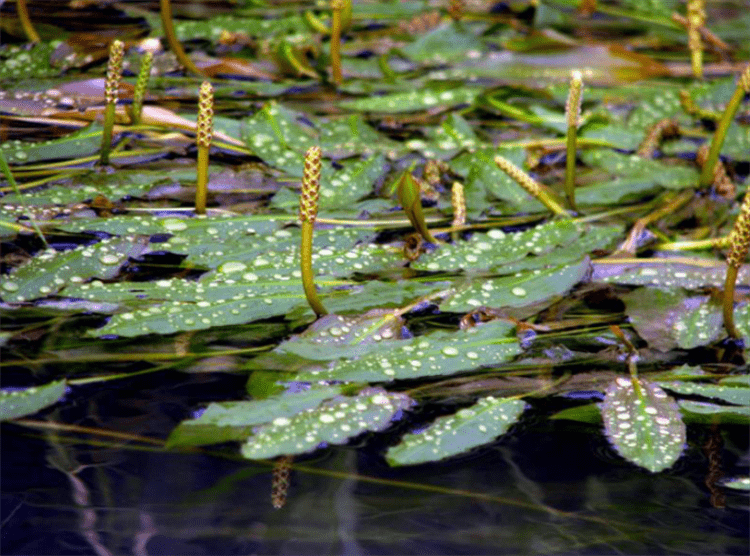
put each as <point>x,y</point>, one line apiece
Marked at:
<point>545,488</point>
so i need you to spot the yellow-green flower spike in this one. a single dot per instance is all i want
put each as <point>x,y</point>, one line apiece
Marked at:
<point>111,88</point>
<point>573,117</point>
<point>308,211</point>
<point>530,185</point>
<point>739,244</point>
<point>140,87</point>
<point>458,201</point>
<point>696,18</point>
<point>203,138</point>
<point>743,87</point>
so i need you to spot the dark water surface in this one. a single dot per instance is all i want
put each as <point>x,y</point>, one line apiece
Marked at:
<point>75,494</point>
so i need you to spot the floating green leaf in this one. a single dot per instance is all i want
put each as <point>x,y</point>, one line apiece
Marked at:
<point>225,421</point>
<point>47,273</point>
<point>15,403</point>
<point>470,427</point>
<point>667,274</point>
<point>334,422</point>
<point>739,395</point>
<point>441,353</point>
<point>80,143</point>
<point>413,101</point>
<point>643,423</point>
<point>516,291</point>
<point>709,413</point>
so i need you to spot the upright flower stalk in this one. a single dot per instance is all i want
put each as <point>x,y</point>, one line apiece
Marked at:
<point>739,243</point>
<point>743,87</point>
<point>696,18</point>
<point>282,469</point>
<point>530,185</point>
<point>140,88</point>
<point>175,45</point>
<point>458,201</point>
<point>308,211</point>
<point>203,141</point>
<point>111,87</point>
<point>573,117</point>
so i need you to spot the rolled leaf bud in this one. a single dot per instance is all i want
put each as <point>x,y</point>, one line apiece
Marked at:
<point>308,201</point>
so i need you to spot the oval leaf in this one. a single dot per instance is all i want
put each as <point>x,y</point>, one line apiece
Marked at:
<point>453,434</point>
<point>333,422</point>
<point>26,401</point>
<point>643,423</point>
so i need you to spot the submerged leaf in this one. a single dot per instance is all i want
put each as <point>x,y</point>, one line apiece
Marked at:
<point>453,434</point>
<point>335,422</point>
<point>643,423</point>
<point>15,403</point>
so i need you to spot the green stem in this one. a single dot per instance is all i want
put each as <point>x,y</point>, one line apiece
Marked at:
<point>201,187</point>
<point>12,182</point>
<point>336,7</point>
<point>728,305</point>
<point>23,15</point>
<point>308,280</point>
<point>109,123</point>
<point>174,44</point>
<point>573,116</point>
<point>743,86</point>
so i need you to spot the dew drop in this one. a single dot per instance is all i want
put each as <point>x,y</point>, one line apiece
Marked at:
<point>109,258</point>
<point>519,291</point>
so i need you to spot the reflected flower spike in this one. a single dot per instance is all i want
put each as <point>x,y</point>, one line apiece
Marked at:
<point>573,117</point>
<point>308,211</point>
<point>739,243</point>
<point>530,185</point>
<point>282,470</point>
<point>111,87</point>
<point>203,141</point>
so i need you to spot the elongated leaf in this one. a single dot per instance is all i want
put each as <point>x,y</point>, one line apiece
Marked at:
<point>15,403</point>
<point>667,274</point>
<point>334,422</point>
<point>224,421</point>
<point>82,142</point>
<point>737,483</point>
<point>708,413</point>
<point>412,101</point>
<point>517,291</point>
<point>453,434</point>
<point>49,272</point>
<point>643,423</point>
<point>441,353</point>
<point>738,395</point>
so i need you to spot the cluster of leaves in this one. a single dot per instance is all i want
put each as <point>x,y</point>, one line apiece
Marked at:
<point>402,109</point>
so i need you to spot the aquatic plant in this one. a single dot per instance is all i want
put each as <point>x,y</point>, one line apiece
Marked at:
<point>573,118</point>
<point>308,211</point>
<point>739,243</point>
<point>141,84</point>
<point>111,90</point>
<point>203,141</point>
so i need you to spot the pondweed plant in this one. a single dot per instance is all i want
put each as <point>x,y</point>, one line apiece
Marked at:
<point>532,187</point>
<point>140,87</point>
<point>165,10</point>
<point>111,92</point>
<point>308,211</point>
<point>573,118</point>
<point>727,117</point>
<point>22,9</point>
<point>492,324</point>
<point>696,18</point>
<point>739,242</point>
<point>203,142</point>
<point>337,7</point>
